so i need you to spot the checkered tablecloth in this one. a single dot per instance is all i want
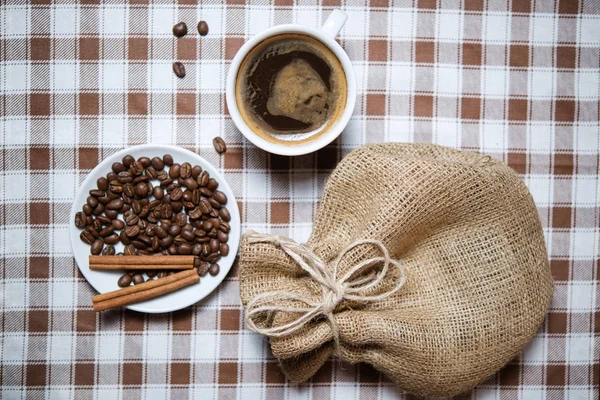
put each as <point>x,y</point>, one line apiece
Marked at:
<point>80,80</point>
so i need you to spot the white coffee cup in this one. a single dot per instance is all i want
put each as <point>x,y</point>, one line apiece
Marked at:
<point>326,35</point>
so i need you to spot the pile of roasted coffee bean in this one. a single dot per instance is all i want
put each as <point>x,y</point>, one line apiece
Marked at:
<point>183,213</point>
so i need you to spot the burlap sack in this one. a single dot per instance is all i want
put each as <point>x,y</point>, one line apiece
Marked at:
<point>466,233</point>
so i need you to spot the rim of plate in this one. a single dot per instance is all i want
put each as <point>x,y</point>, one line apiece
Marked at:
<point>225,263</point>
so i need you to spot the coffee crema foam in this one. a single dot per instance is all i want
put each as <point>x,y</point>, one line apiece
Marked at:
<point>291,89</point>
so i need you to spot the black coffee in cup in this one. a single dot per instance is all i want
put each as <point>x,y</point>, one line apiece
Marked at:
<point>291,89</point>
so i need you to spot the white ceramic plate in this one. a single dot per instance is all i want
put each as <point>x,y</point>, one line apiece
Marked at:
<point>106,281</point>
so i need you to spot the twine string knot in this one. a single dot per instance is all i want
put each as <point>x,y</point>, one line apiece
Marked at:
<point>351,286</point>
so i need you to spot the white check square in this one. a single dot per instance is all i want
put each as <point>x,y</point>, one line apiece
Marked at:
<point>496,27</point>
<point>587,84</point>
<point>579,348</point>
<point>542,83</point>
<point>256,186</point>
<point>543,29</point>
<point>589,30</point>
<point>64,21</point>
<point>63,131</point>
<point>496,82</point>
<point>540,187</point>
<point>258,19</point>
<point>402,23</point>
<point>61,347</point>
<point>113,19</point>
<point>449,25</point>
<point>16,77</point>
<point>16,20</point>
<point>584,244</point>
<point>113,76</point>
<point>109,347</point>
<point>401,78</point>
<point>14,187</point>
<point>447,79</point>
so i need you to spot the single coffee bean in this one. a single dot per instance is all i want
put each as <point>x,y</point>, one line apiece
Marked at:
<point>108,251</point>
<point>188,235</point>
<point>213,257</point>
<point>205,249</point>
<point>145,161</point>
<point>206,192</point>
<point>97,224</point>
<point>224,227</point>
<point>118,167</point>
<point>151,273</point>
<point>179,69</point>
<point>124,238</point>
<point>168,160</point>
<point>172,249</point>
<point>224,214</point>
<point>125,177</point>
<point>118,224</point>
<point>222,236</point>
<point>197,249</point>
<point>128,160</point>
<point>132,230</point>
<point>174,230</point>
<point>141,178</point>
<point>86,237</point>
<point>136,168</point>
<point>214,204</point>
<point>144,212</point>
<point>138,244</point>
<point>177,206</point>
<point>158,193</point>
<point>130,250</point>
<point>202,268</point>
<point>184,249</point>
<point>185,170</point>
<point>147,240</point>
<point>155,243</point>
<point>141,189</point>
<point>104,200</point>
<point>80,219</point>
<point>128,190</point>
<point>106,231</point>
<point>219,145</point>
<point>212,184</point>
<point>195,213</point>
<point>207,225</point>
<point>196,170</point>
<point>203,178</point>
<point>99,209</point>
<point>212,233</point>
<point>160,232</point>
<point>224,249</point>
<point>181,219</point>
<point>92,201</point>
<point>112,239</point>
<point>137,279</point>
<point>97,193</point>
<point>102,183</point>
<point>166,241</point>
<point>89,220</point>
<point>180,29</point>
<point>174,171</point>
<point>115,204</point>
<point>214,269</point>
<point>97,246</point>
<point>111,176</point>
<point>157,163</point>
<point>115,187</point>
<point>220,197</point>
<point>202,28</point>
<point>214,245</point>
<point>204,206</point>
<point>151,173</point>
<point>124,280</point>
<point>176,194</point>
<point>112,214</point>
<point>131,219</point>
<point>190,183</point>
<point>87,210</point>
<point>104,220</point>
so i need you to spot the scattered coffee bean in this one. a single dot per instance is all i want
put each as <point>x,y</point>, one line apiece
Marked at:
<point>224,249</point>
<point>118,224</point>
<point>214,269</point>
<point>124,280</point>
<point>96,247</point>
<point>80,220</point>
<point>202,268</point>
<point>137,279</point>
<point>179,69</point>
<point>168,160</point>
<point>219,145</point>
<point>108,251</point>
<point>202,28</point>
<point>102,183</point>
<point>180,29</point>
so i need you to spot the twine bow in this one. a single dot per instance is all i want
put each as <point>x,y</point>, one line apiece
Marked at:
<point>334,289</point>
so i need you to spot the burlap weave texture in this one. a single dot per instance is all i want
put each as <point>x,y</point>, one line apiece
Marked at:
<point>467,231</point>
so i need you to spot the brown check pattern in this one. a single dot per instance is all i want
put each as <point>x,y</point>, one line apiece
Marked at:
<point>518,80</point>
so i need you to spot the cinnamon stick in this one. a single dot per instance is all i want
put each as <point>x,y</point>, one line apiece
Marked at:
<point>143,286</point>
<point>144,291</point>
<point>136,260</point>
<point>113,267</point>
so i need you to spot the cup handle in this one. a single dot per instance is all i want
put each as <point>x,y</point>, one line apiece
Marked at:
<point>334,23</point>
